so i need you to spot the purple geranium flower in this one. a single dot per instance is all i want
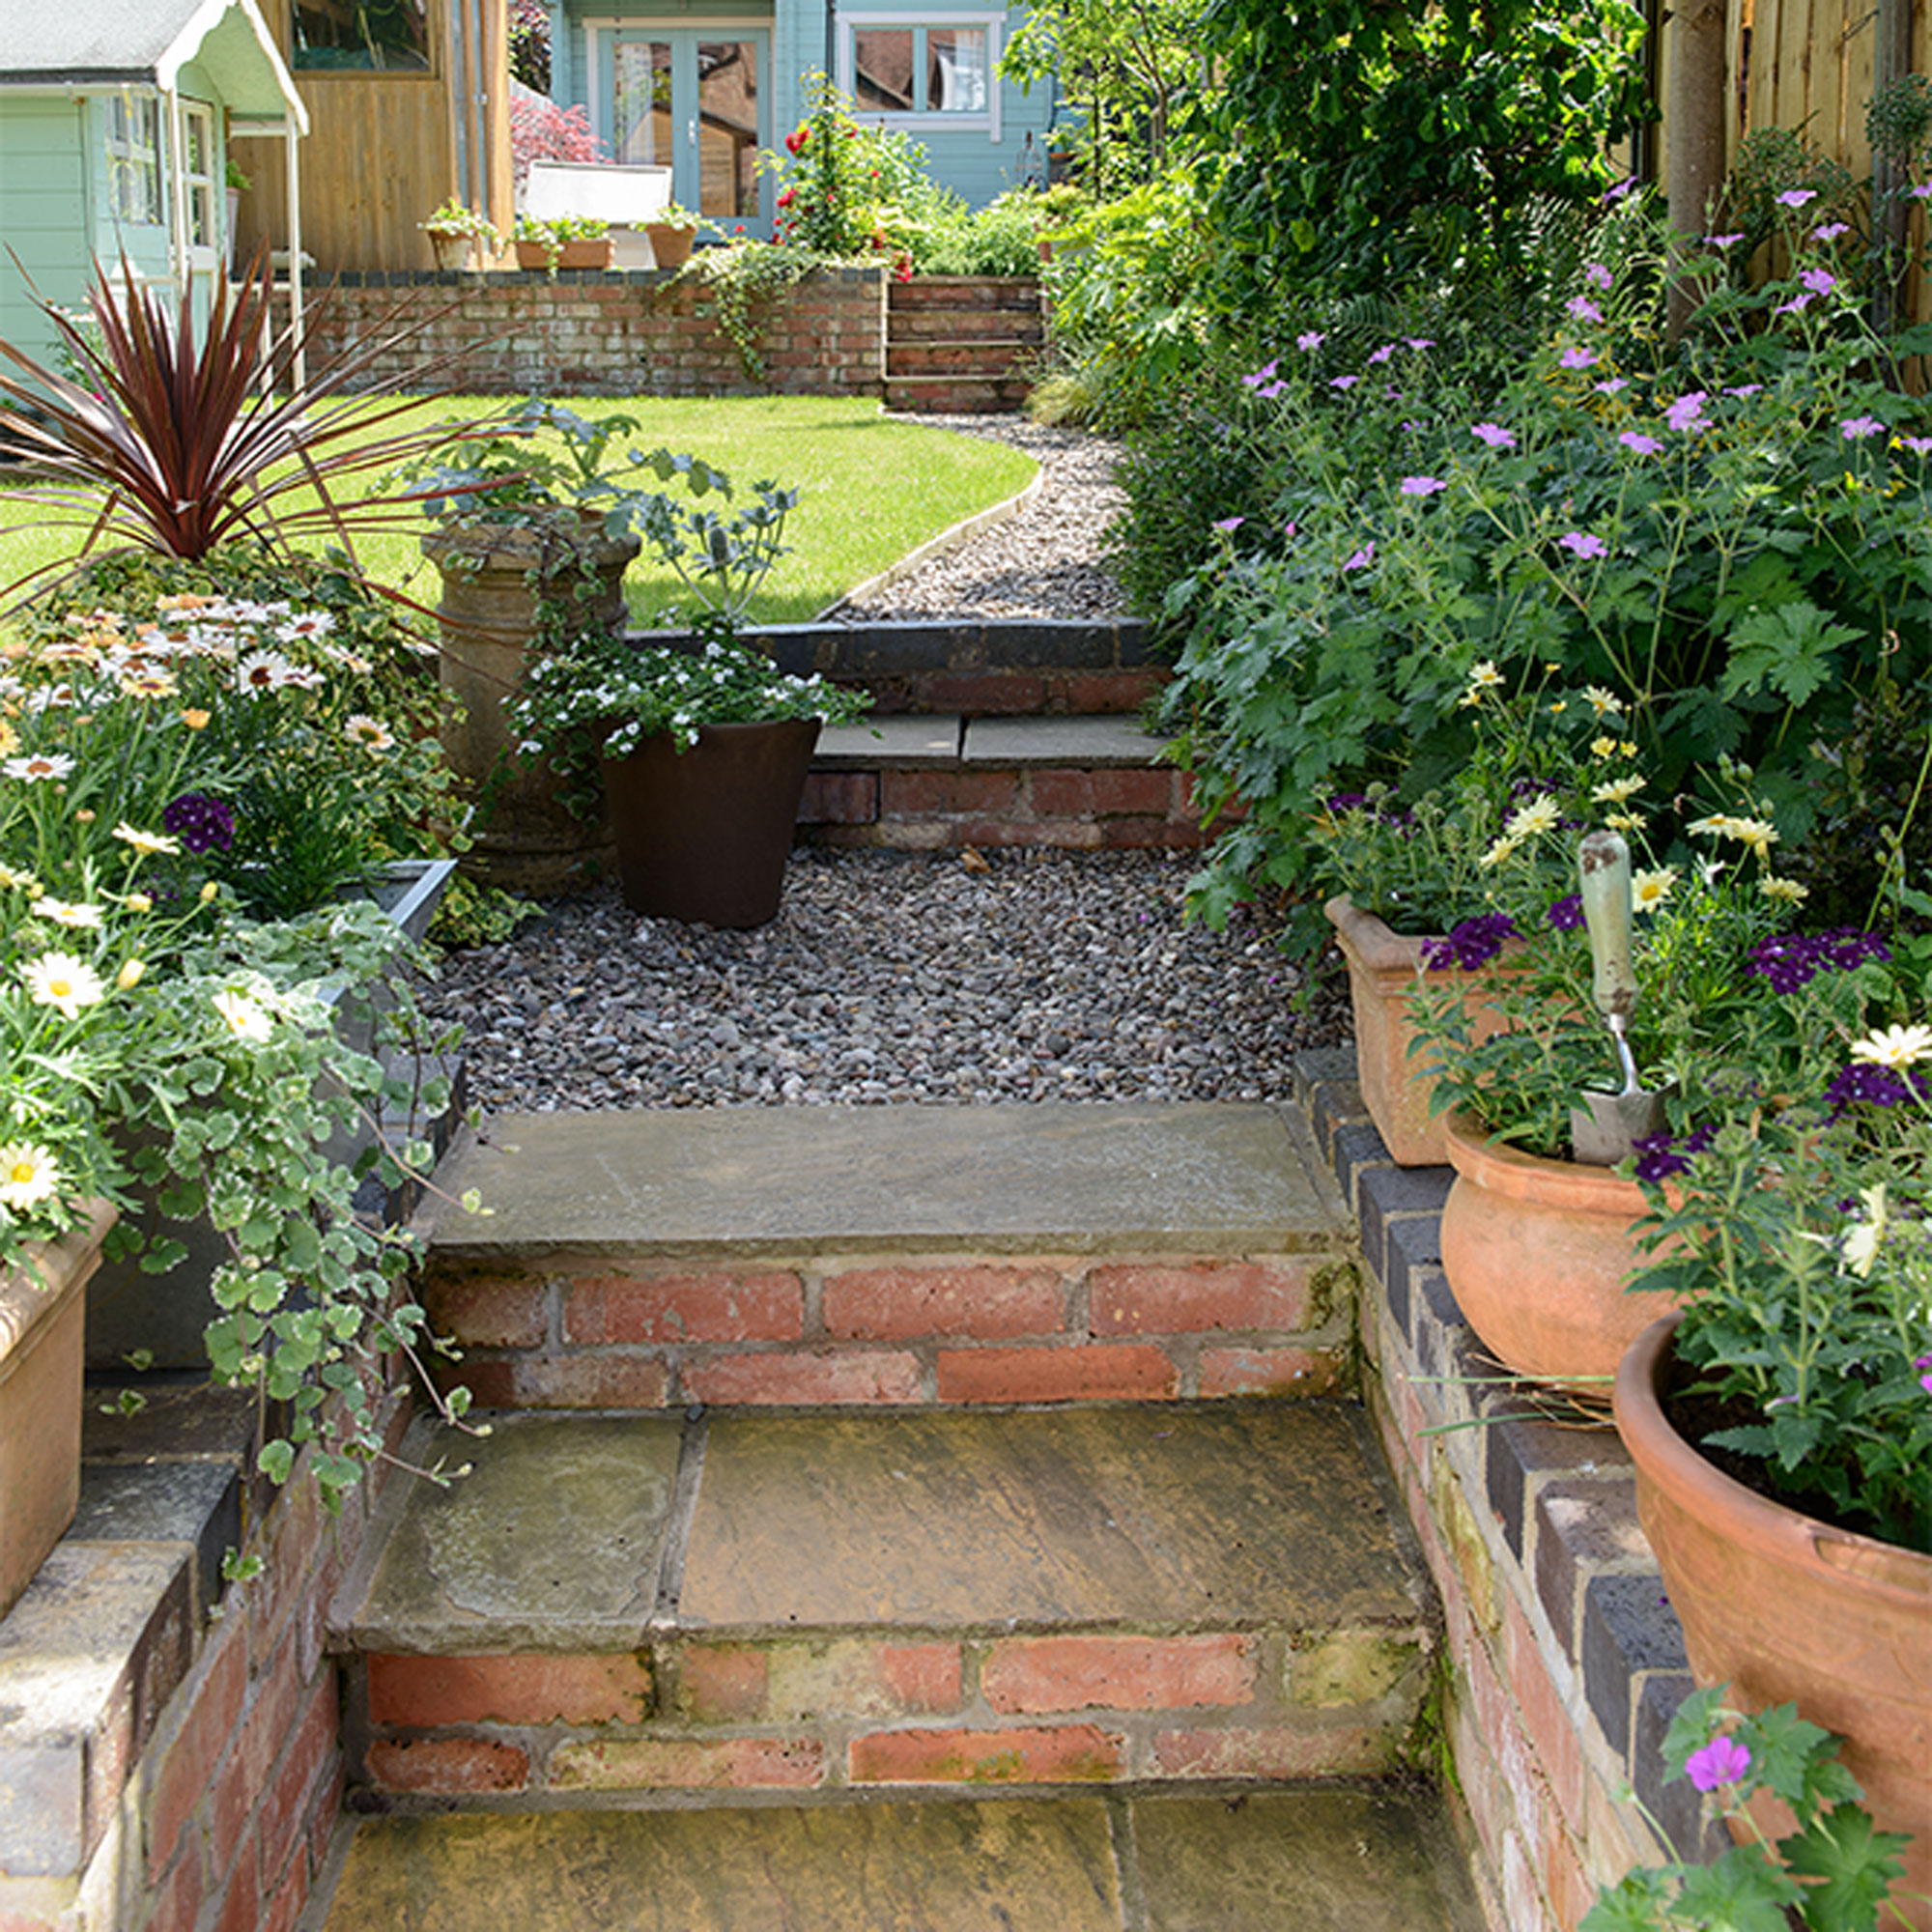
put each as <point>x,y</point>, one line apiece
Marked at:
<point>1687,411</point>
<point>1820,281</point>
<point>1721,1761</point>
<point>1343,382</point>
<point>1831,231</point>
<point>1580,542</point>
<point>1612,386</point>
<point>1309,340</point>
<point>1576,358</point>
<point>1264,374</point>
<point>1796,197</point>
<point>1643,445</point>
<point>1422,485</point>
<point>1228,526</point>
<point>1597,275</point>
<point>1492,434</point>
<point>1856,428</point>
<point>1363,558</point>
<point>1722,241</point>
<point>201,823</point>
<point>1470,944</point>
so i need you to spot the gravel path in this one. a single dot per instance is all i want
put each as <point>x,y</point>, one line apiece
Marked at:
<point>889,977</point>
<point>892,977</point>
<point>1043,562</point>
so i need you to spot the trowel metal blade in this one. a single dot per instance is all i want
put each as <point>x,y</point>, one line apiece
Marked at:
<point>1606,1126</point>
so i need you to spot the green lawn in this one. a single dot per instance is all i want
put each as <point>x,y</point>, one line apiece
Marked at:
<point>872,486</point>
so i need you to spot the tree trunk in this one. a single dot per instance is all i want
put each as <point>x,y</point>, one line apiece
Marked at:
<point>1696,88</point>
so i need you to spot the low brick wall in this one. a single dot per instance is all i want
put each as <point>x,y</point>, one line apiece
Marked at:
<point>1567,1660</point>
<point>178,1767</point>
<point>617,332</point>
<point>583,1332</point>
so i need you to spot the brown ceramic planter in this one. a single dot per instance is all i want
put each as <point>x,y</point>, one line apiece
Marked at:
<point>703,834</point>
<point>525,839</point>
<point>670,246</point>
<point>1385,968</point>
<point>1537,1253</point>
<point>1787,1609</point>
<point>578,254</point>
<point>42,1341</point>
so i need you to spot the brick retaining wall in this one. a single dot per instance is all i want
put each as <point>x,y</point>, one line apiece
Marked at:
<point>1567,1660</point>
<point>616,332</point>
<point>169,1744</point>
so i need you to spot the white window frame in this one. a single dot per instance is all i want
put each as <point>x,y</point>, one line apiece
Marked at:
<point>928,122</point>
<point>134,162</point>
<point>204,200</point>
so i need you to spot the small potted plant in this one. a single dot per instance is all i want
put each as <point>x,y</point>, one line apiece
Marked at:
<point>673,233</point>
<point>700,743</point>
<point>455,232</point>
<point>1782,1423</point>
<point>565,241</point>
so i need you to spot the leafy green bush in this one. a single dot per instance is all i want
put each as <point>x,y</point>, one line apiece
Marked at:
<point>1734,542</point>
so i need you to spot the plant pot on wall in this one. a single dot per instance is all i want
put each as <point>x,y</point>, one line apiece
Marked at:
<point>42,1340</point>
<point>454,248</point>
<point>1537,1253</point>
<point>1787,1609</point>
<point>671,243</point>
<point>703,834</point>
<point>582,253</point>
<point>527,839</point>
<point>1385,968</point>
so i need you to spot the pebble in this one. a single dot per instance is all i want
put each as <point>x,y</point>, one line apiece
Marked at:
<point>891,979</point>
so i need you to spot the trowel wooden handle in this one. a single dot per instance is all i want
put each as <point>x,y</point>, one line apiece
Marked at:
<point>1604,865</point>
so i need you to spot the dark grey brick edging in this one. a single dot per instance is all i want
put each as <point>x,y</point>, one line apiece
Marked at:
<point>1564,1499</point>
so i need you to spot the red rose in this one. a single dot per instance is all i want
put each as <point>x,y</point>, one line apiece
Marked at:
<point>795,141</point>
<point>786,199</point>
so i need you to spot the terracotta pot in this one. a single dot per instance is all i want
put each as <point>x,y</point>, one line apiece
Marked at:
<point>1385,968</point>
<point>1537,1253</point>
<point>42,1340</point>
<point>670,247</point>
<point>453,248</point>
<point>703,835</point>
<point>527,841</point>
<point>578,254</point>
<point>1787,1609</point>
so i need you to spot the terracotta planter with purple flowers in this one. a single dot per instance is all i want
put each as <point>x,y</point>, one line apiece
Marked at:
<point>1385,968</point>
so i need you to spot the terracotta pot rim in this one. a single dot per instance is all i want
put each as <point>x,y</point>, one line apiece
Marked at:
<point>1507,1170</point>
<point>1701,1488</point>
<point>1379,946</point>
<point>517,546</point>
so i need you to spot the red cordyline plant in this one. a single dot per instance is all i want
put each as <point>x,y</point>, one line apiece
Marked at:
<point>179,447</point>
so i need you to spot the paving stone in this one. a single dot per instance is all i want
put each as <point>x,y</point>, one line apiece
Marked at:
<point>553,1541</point>
<point>193,1502</point>
<point>911,744</point>
<point>1302,1862</point>
<point>1199,1179</point>
<point>970,1868</point>
<point>1217,1514</point>
<point>1079,744</point>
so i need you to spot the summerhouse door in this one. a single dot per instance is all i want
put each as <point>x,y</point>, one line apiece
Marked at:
<point>699,101</point>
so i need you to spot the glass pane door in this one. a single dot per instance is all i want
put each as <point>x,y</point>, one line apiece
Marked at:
<point>643,120</point>
<point>727,127</point>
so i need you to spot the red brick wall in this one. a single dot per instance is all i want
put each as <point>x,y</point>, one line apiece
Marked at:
<point>617,333</point>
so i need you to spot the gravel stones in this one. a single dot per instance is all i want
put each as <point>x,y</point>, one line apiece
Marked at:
<point>1045,562</point>
<point>889,978</point>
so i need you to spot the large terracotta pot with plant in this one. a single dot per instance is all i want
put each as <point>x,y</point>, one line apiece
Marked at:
<point>1384,969</point>
<point>42,1341</point>
<point>1538,1253</point>
<point>1786,1609</point>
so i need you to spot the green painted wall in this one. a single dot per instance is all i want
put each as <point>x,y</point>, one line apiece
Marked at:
<point>47,192</point>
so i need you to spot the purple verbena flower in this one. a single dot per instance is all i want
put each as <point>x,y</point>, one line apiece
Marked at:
<point>1660,1156</point>
<point>1567,914</point>
<point>1793,959</point>
<point>1861,1085</point>
<point>201,823</point>
<point>1470,944</point>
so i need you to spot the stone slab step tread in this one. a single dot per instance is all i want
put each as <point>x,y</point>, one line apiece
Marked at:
<point>1336,1860</point>
<point>1127,1178</point>
<point>568,1534</point>
<point>943,740</point>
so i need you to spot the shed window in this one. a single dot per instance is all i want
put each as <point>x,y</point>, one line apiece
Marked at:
<point>198,173</point>
<point>919,69</point>
<point>388,36</point>
<point>135,159</point>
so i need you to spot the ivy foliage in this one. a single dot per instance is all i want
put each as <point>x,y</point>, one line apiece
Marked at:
<point>1369,143</point>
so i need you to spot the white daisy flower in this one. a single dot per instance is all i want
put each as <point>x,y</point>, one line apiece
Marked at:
<point>1895,1046</point>
<point>29,1175</point>
<point>59,979</point>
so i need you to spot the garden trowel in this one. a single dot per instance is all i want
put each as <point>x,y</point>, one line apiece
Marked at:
<point>1603,1130</point>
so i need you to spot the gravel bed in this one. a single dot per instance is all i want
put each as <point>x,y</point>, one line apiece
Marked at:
<point>891,977</point>
<point>1043,562</point>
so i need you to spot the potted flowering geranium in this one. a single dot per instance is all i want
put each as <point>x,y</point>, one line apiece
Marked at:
<point>1781,1422</point>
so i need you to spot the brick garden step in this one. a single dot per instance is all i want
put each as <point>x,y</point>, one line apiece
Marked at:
<point>964,395</point>
<point>889,1256</point>
<point>995,358</point>
<point>636,1610</point>
<point>923,784</point>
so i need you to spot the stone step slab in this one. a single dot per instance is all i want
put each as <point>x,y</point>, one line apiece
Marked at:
<point>1340,1859</point>
<point>890,1257</point>
<point>647,1611</point>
